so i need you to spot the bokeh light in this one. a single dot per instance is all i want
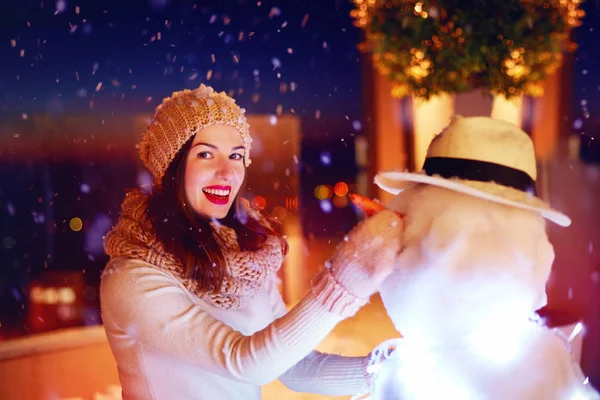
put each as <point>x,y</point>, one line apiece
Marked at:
<point>323,192</point>
<point>340,201</point>
<point>279,212</point>
<point>76,224</point>
<point>326,158</point>
<point>326,206</point>
<point>340,189</point>
<point>259,203</point>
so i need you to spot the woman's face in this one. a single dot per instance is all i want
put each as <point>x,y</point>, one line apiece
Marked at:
<point>214,171</point>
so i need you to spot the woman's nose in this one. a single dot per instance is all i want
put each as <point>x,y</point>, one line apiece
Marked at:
<point>224,170</point>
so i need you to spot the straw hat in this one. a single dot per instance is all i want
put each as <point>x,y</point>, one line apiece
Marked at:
<point>482,157</point>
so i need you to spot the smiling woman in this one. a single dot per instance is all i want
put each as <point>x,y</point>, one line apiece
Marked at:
<point>214,170</point>
<point>189,298</point>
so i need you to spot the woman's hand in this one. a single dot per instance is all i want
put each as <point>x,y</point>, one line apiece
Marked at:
<point>368,253</point>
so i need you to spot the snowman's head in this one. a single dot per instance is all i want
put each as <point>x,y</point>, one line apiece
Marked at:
<point>467,263</point>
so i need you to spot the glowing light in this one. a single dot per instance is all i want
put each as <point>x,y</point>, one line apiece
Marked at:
<point>36,294</point>
<point>259,203</point>
<point>340,202</point>
<point>326,158</point>
<point>291,203</point>
<point>411,368</point>
<point>280,213</point>
<point>340,189</point>
<point>50,296</point>
<point>325,206</point>
<point>323,192</point>
<point>66,295</point>
<point>76,224</point>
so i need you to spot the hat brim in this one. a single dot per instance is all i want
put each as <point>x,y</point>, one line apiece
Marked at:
<point>395,181</point>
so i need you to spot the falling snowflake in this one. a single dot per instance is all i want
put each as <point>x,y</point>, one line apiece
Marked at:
<point>326,206</point>
<point>275,12</point>
<point>326,158</point>
<point>276,63</point>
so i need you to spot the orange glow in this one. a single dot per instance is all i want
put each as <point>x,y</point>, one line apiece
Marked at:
<point>323,192</point>
<point>76,224</point>
<point>291,203</point>
<point>340,189</point>
<point>340,201</point>
<point>280,213</point>
<point>259,203</point>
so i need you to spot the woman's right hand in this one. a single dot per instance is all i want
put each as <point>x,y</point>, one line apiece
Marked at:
<point>367,255</point>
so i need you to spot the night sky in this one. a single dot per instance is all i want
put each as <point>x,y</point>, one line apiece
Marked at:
<point>127,55</point>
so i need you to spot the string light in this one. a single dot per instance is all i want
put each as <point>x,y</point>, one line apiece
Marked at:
<point>423,50</point>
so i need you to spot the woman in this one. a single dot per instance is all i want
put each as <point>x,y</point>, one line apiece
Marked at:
<point>189,298</point>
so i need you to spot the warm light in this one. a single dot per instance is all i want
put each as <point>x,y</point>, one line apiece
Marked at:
<point>340,202</point>
<point>50,296</point>
<point>66,312</point>
<point>66,295</point>
<point>429,117</point>
<point>280,213</point>
<point>323,192</point>
<point>259,203</point>
<point>291,203</point>
<point>340,189</point>
<point>399,91</point>
<point>76,224</point>
<point>510,110</point>
<point>36,295</point>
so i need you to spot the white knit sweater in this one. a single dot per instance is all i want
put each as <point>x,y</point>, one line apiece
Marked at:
<point>169,344</point>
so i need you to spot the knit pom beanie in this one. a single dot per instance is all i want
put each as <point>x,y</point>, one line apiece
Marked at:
<point>180,117</point>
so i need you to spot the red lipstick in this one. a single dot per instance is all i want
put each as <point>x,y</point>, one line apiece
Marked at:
<point>217,194</point>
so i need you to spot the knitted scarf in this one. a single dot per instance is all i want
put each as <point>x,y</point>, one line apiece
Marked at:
<point>133,237</point>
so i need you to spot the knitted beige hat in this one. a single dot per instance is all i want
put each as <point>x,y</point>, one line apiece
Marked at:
<point>180,117</point>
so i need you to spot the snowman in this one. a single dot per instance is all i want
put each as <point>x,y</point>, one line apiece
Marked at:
<point>472,273</point>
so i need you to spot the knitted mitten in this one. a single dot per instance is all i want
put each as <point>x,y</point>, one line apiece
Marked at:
<point>360,263</point>
<point>367,255</point>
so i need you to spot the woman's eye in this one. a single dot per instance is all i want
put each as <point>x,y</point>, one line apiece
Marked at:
<point>205,154</point>
<point>236,156</point>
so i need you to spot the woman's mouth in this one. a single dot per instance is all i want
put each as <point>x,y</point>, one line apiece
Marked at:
<point>217,194</point>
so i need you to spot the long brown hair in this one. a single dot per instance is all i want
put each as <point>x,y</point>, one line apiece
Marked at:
<point>190,238</point>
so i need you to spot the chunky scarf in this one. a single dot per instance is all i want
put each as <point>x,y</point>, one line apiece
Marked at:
<point>133,237</point>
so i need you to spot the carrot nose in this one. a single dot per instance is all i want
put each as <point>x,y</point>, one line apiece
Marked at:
<point>368,206</point>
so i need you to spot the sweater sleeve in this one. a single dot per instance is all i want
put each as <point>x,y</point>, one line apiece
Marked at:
<point>321,373</point>
<point>147,305</point>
